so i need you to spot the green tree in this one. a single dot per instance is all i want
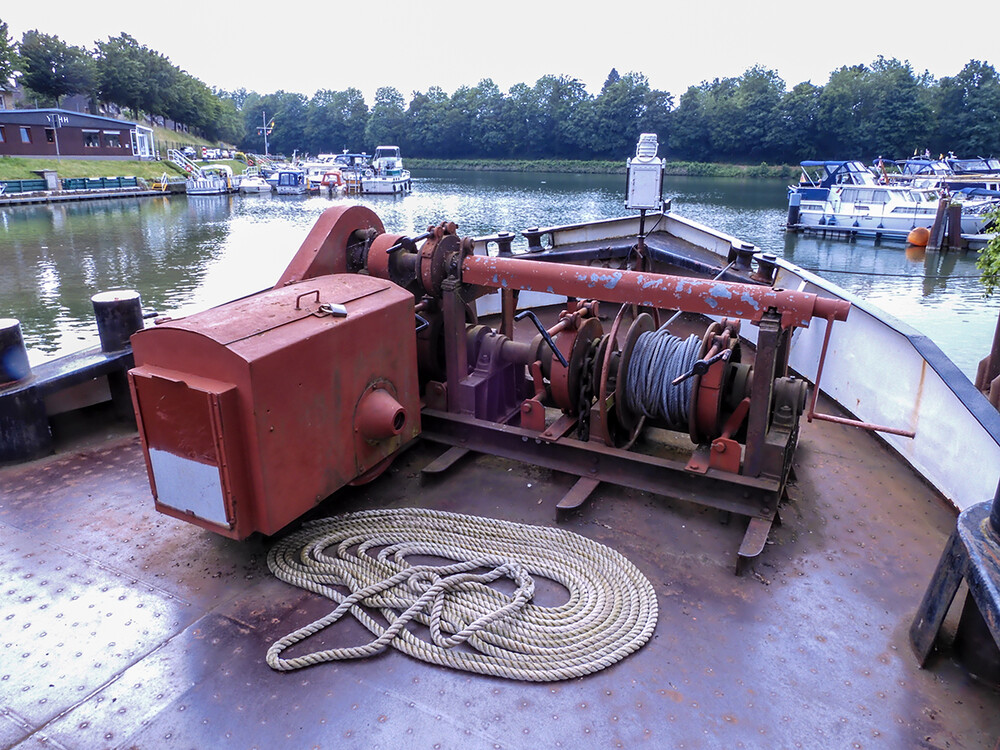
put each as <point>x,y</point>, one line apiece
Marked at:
<point>900,113</point>
<point>387,120</point>
<point>8,54</point>
<point>968,105</point>
<point>884,110</point>
<point>689,137</point>
<point>658,116</point>
<point>797,125</point>
<point>843,106</point>
<point>425,118</point>
<point>988,260</point>
<point>336,120</point>
<point>121,71</point>
<point>487,136</point>
<point>557,124</point>
<point>618,114</point>
<point>53,69</point>
<point>743,114</point>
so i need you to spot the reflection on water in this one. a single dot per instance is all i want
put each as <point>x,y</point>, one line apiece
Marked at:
<point>184,254</point>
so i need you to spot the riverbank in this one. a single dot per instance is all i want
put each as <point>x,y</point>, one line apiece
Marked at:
<point>568,166</point>
<point>12,168</point>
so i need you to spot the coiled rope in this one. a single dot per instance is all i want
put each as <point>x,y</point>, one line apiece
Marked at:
<point>610,613</point>
<point>657,358</point>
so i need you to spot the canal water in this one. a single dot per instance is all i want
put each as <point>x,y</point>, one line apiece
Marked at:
<point>183,254</point>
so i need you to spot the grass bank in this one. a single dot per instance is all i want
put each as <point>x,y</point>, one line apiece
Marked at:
<point>673,168</point>
<point>14,168</point>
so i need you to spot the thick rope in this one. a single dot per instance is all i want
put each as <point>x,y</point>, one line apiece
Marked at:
<point>611,610</point>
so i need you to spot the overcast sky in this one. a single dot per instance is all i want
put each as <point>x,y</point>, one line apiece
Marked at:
<point>413,45</point>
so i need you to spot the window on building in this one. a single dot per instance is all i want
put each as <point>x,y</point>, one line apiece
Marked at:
<point>92,138</point>
<point>25,134</point>
<point>112,138</point>
<point>2,138</point>
<point>50,135</point>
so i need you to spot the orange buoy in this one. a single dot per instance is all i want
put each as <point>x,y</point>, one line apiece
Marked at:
<point>919,236</point>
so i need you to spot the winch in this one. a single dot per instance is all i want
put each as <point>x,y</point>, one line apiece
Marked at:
<point>583,393</point>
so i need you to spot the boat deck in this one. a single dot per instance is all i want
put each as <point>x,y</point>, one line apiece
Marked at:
<point>125,628</point>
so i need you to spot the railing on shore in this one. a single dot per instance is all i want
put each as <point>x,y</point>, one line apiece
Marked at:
<point>98,183</point>
<point>22,186</point>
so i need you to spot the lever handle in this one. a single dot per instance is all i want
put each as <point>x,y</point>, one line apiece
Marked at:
<point>701,366</point>
<point>545,335</point>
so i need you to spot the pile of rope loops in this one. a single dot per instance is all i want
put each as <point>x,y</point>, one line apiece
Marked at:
<point>657,358</point>
<point>611,610</point>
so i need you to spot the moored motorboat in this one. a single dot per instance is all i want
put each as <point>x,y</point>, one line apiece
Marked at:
<point>385,175</point>
<point>214,179</point>
<point>252,183</point>
<point>290,182</point>
<point>845,197</point>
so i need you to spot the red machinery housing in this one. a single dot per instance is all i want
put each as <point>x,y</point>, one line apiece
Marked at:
<point>252,412</point>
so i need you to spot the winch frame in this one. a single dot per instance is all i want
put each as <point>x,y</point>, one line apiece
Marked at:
<point>464,411</point>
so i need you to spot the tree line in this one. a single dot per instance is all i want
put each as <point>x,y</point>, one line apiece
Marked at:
<point>863,111</point>
<point>117,71</point>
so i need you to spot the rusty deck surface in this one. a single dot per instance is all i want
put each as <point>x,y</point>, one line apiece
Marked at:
<point>124,628</point>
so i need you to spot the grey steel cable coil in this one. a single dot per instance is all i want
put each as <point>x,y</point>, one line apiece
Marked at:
<point>657,359</point>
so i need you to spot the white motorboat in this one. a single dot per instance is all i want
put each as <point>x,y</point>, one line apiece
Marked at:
<point>252,183</point>
<point>215,179</point>
<point>386,175</point>
<point>845,196</point>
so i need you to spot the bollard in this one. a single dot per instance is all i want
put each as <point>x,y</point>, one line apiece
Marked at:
<point>504,241</point>
<point>794,207</point>
<point>13,355</point>
<point>119,315</point>
<point>24,424</point>
<point>955,227</point>
<point>767,266</point>
<point>744,256</point>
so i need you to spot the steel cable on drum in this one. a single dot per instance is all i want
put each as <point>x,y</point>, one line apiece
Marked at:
<point>610,613</point>
<point>657,359</point>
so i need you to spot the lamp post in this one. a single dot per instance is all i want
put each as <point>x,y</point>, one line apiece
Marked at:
<point>57,121</point>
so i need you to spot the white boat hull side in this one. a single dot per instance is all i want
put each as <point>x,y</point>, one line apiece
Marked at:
<point>386,184</point>
<point>870,226</point>
<point>207,186</point>
<point>886,373</point>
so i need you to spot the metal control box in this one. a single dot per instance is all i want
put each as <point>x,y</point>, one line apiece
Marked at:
<point>252,412</point>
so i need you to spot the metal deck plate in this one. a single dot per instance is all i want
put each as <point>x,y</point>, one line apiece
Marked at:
<point>124,628</point>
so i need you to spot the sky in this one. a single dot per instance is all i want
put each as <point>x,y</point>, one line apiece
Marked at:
<point>412,46</point>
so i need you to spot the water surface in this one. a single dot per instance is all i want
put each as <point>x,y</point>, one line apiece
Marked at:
<point>186,253</point>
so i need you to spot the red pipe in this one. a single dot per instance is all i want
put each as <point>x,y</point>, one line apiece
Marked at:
<point>708,297</point>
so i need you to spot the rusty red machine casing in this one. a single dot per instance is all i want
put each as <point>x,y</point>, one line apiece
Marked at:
<point>252,412</point>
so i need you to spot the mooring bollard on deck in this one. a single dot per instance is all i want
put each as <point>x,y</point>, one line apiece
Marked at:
<point>119,315</point>
<point>13,355</point>
<point>24,424</point>
<point>29,397</point>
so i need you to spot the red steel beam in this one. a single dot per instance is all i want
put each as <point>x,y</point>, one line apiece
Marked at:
<point>705,296</point>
